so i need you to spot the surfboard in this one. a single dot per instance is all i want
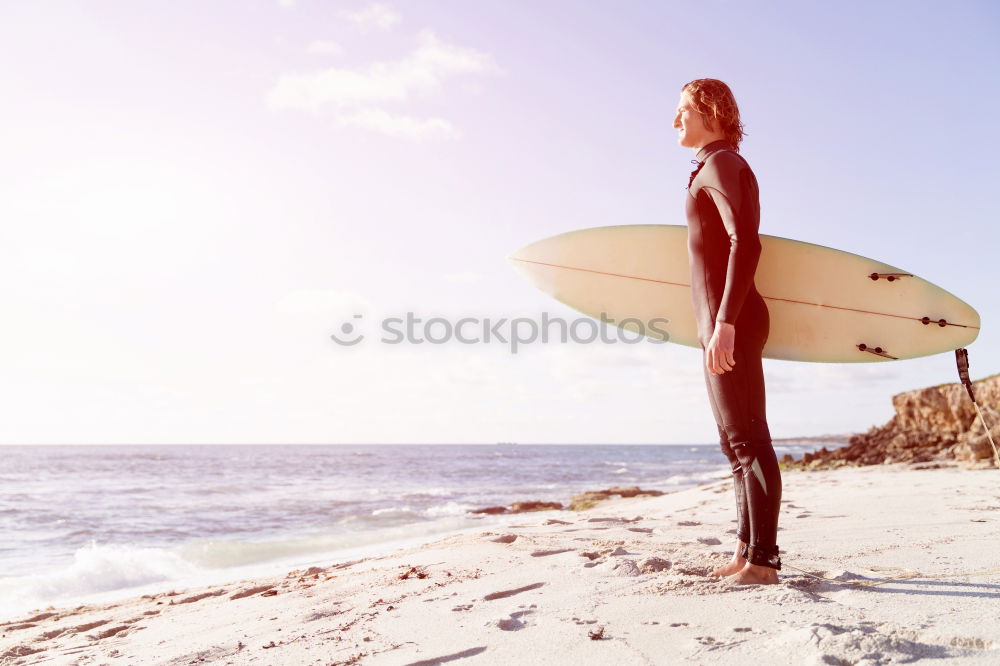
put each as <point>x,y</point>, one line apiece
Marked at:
<point>825,305</point>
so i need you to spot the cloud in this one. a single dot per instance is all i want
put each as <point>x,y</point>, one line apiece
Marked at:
<point>357,96</point>
<point>399,126</point>
<point>323,301</point>
<point>465,276</point>
<point>286,3</point>
<point>783,377</point>
<point>375,16</point>
<point>422,71</point>
<point>324,47</point>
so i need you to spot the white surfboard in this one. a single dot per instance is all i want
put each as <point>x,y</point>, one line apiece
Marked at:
<point>825,305</point>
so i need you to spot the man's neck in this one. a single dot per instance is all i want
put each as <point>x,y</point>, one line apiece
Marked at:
<point>711,139</point>
<point>717,144</point>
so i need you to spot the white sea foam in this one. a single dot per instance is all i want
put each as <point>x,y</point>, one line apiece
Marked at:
<point>448,509</point>
<point>693,478</point>
<point>102,573</point>
<point>393,510</point>
<point>94,569</point>
<point>436,491</point>
<point>187,516</point>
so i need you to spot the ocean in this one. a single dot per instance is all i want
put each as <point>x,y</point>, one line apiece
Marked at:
<point>85,524</point>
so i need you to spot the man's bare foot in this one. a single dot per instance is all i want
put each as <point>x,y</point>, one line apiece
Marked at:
<point>733,566</point>
<point>754,574</point>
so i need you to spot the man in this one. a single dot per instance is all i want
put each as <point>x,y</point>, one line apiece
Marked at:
<point>723,214</point>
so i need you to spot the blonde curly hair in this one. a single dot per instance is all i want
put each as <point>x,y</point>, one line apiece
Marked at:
<point>715,102</point>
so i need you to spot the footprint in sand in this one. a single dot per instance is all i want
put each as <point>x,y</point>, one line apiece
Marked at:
<point>621,567</point>
<point>321,614</point>
<point>80,628</point>
<point>19,651</point>
<point>709,541</point>
<point>555,551</point>
<point>707,640</point>
<point>505,538</point>
<point>503,594</point>
<point>513,621</point>
<point>26,624</point>
<point>689,523</point>
<point>204,595</point>
<point>114,631</point>
<point>249,592</point>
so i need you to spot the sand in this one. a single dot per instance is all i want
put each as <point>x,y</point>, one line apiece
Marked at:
<point>622,583</point>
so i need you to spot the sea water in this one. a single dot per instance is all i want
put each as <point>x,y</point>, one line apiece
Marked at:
<point>82,524</point>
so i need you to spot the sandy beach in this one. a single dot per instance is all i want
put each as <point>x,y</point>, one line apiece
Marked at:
<point>622,583</point>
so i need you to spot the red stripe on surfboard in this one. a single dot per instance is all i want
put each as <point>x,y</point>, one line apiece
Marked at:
<point>772,298</point>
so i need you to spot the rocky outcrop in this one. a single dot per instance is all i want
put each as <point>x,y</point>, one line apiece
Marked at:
<point>520,507</point>
<point>938,423</point>
<point>589,498</point>
<point>579,502</point>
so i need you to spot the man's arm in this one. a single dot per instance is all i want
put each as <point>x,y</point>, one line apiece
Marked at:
<point>733,189</point>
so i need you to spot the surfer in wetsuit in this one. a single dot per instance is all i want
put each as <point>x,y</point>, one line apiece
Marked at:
<point>723,215</point>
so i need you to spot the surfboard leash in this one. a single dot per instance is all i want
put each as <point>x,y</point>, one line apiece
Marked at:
<point>962,358</point>
<point>904,575</point>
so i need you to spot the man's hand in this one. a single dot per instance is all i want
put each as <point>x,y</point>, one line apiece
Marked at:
<point>719,353</point>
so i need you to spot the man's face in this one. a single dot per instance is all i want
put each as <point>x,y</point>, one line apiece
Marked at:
<point>691,129</point>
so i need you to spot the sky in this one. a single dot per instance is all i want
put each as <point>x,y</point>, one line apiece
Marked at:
<point>195,196</point>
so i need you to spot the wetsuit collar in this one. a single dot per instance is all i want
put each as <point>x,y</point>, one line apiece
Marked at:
<point>715,146</point>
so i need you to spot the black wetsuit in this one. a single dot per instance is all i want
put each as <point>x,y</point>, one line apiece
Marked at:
<point>723,214</point>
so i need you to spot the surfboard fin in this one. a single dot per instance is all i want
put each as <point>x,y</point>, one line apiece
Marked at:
<point>878,351</point>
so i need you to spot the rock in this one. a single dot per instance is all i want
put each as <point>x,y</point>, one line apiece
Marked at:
<point>523,507</point>
<point>654,564</point>
<point>975,448</point>
<point>586,500</point>
<point>633,491</point>
<point>590,498</point>
<point>621,567</point>
<point>938,423</point>
<point>520,507</point>
<point>490,509</point>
